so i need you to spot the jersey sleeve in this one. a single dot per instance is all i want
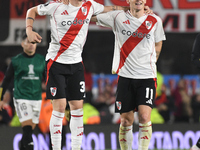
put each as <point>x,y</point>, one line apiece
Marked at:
<point>47,8</point>
<point>159,32</point>
<point>106,19</point>
<point>98,8</point>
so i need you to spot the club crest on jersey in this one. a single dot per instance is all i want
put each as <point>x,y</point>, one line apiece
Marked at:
<point>53,91</point>
<point>84,10</point>
<point>148,24</point>
<point>119,105</point>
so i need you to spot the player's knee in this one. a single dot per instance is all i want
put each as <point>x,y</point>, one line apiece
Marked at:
<point>144,118</point>
<point>125,121</point>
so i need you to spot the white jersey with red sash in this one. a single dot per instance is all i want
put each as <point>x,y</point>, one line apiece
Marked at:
<point>134,54</point>
<point>69,28</point>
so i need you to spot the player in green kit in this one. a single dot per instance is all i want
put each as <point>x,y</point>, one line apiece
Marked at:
<point>27,69</point>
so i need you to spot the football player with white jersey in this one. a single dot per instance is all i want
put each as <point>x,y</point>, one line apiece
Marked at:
<point>138,42</point>
<point>64,69</point>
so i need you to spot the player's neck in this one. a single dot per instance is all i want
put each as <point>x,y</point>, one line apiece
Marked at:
<point>76,3</point>
<point>137,13</point>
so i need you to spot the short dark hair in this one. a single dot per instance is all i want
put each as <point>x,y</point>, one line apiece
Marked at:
<point>24,36</point>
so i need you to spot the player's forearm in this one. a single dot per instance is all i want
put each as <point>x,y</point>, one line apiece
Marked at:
<point>112,8</point>
<point>158,47</point>
<point>94,19</point>
<point>30,17</point>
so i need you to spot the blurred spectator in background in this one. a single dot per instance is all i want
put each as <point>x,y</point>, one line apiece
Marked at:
<point>104,100</point>
<point>159,84</point>
<point>183,109</point>
<point>196,107</point>
<point>6,114</point>
<point>164,104</point>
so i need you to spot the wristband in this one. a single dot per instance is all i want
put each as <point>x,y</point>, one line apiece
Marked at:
<point>30,18</point>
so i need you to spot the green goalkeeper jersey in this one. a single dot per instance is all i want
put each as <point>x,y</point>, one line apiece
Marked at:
<point>28,72</point>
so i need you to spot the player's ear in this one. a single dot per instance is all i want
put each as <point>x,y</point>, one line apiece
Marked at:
<point>127,1</point>
<point>145,1</point>
<point>22,43</point>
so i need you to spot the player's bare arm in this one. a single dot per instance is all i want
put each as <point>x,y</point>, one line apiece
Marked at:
<point>33,37</point>
<point>112,8</point>
<point>158,47</point>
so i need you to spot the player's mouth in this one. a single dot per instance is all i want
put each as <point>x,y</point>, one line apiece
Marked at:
<point>138,3</point>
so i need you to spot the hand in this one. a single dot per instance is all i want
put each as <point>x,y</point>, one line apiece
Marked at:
<point>34,37</point>
<point>2,103</point>
<point>64,1</point>
<point>147,10</point>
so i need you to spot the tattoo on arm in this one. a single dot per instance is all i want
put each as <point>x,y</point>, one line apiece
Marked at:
<point>30,18</point>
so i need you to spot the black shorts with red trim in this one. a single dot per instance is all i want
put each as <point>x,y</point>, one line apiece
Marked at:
<point>134,92</point>
<point>66,81</point>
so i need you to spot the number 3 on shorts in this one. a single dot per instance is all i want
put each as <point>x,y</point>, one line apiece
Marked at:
<point>82,84</point>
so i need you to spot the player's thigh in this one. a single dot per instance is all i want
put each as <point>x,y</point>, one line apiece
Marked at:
<point>55,88</point>
<point>76,86</point>
<point>146,92</point>
<point>36,106</point>
<point>23,109</point>
<point>125,101</point>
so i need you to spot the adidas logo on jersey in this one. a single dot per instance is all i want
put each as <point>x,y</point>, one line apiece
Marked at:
<point>149,101</point>
<point>144,137</point>
<point>127,22</point>
<point>64,13</point>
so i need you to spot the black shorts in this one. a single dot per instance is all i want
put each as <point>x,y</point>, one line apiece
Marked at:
<point>134,92</point>
<point>66,81</point>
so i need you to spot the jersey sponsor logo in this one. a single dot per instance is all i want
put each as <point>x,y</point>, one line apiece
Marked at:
<point>64,13</point>
<point>53,91</point>
<point>75,22</point>
<point>136,34</point>
<point>119,105</point>
<point>148,24</point>
<point>84,10</point>
<point>149,101</point>
<point>127,22</point>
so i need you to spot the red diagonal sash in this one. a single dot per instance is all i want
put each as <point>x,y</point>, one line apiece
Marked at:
<point>71,34</point>
<point>132,42</point>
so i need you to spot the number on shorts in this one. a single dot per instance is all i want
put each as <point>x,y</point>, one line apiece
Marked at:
<point>23,106</point>
<point>149,93</point>
<point>82,84</point>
